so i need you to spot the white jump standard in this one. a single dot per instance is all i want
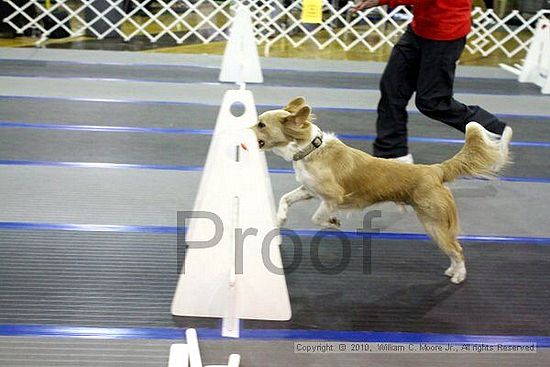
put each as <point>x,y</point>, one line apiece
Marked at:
<point>229,279</point>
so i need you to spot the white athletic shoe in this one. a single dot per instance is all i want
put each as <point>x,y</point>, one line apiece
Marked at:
<point>405,159</point>
<point>504,145</point>
<point>503,142</point>
<point>402,16</point>
<point>503,139</point>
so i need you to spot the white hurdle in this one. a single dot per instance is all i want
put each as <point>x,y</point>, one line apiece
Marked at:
<point>536,66</point>
<point>219,281</point>
<point>230,280</point>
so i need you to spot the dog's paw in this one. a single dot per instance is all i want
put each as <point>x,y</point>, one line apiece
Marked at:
<point>458,278</point>
<point>458,273</point>
<point>281,220</point>
<point>402,208</point>
<point>333,223</point>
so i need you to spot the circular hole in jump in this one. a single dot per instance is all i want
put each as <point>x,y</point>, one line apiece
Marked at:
<point>237,109</point>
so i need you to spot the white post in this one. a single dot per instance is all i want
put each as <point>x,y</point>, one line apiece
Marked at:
<point>234,360</point>
<point>179,356</point>
<point>545,60</point>
<point>189,355</point>
<point>193,348</point>
<point>532,60</point>
<point>536,66</point>
<point>230,324</point>
<point>241,63</point>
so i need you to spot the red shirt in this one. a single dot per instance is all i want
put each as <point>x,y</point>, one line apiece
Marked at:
<point>441,20</point>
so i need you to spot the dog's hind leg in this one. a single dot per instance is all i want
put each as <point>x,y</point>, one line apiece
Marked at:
<point>299,194</point>
<point>439,217</point>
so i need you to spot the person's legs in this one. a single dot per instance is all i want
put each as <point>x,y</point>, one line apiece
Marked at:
<point>397,86</point>
<point>434,95</point>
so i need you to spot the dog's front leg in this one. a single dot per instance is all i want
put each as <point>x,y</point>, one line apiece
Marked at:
<point>301,193</point>
<point>323,216</point>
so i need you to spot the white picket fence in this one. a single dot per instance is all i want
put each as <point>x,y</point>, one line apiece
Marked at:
<point>206,21</point>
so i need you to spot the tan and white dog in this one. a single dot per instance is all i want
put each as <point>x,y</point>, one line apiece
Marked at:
<point>346,178</point>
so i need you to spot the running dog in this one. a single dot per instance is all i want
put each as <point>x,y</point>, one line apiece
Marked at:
<point>346,178</point>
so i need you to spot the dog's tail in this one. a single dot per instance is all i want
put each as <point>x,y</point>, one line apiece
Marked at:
<point>483,154</point>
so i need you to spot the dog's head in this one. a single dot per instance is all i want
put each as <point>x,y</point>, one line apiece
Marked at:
<point>278,128</point>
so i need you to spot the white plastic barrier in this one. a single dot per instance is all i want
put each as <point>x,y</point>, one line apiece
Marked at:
<point>231,279</point>
<point>206,21</point>
<point>536,66</point>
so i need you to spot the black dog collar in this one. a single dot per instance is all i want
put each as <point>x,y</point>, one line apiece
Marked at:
<point>315,143</point>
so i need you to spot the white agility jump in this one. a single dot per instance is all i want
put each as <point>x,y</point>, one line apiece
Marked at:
<point>536,66</point>
<point>229,279</point>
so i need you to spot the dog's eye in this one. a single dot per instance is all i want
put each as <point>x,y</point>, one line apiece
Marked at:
<point>261,125</point>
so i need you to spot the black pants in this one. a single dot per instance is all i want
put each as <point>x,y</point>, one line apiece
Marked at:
<point>426,67</point>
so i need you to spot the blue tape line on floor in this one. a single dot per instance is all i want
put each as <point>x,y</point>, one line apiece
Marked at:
<point>31,226</point>
<point>86,227</point>
<point>265,334</point>
<point>164,167</point>
<point>156,130</point>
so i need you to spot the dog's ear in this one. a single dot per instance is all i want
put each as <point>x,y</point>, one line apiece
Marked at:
<point>295,104</point>
<point>300,117</point>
